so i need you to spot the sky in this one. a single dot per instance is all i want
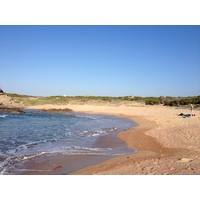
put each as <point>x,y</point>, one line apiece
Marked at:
<point>100,60</point>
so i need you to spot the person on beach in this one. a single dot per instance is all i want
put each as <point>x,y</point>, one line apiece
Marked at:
<point>192,110</point>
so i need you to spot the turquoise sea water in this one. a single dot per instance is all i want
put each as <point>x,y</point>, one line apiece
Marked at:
<point>35,133</point>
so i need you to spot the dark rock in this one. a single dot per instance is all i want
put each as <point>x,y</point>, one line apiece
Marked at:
<point>17,111</point>
<point>1,91</point>
<point>12,110</point>
<point>54,110</point>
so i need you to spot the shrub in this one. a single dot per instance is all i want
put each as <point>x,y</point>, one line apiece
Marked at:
<point>152,101</point>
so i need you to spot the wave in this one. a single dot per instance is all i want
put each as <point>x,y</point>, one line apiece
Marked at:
<point>3,116</point>
<point>81,115</point>
<point>14,164</point>
<point>74,150</point>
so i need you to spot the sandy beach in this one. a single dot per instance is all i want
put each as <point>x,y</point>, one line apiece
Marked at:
<point>166,142</point>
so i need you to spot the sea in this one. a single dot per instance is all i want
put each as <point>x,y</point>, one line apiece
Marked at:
<point>34,133</point>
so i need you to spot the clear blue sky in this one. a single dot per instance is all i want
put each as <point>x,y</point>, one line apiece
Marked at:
<point>100,60</point>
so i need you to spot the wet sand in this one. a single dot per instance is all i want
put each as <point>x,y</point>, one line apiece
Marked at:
<point>59,164</point>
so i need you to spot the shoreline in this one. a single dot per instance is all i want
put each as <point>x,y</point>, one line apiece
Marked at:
<point>64,164</point>
<point>166,143</point>
<point>60,163</point>
<point>149,149</point>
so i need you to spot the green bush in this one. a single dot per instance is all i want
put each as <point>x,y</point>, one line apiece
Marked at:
<point>182,101</point>
<point>152,101</point>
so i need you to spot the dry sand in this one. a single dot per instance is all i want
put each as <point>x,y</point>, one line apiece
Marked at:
<point>166,143</point>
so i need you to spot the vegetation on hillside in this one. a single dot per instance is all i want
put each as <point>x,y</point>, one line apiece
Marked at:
<point>180,101</point>
<point>61,100</point>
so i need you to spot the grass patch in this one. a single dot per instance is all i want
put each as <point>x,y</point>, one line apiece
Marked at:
<point>103,100</point>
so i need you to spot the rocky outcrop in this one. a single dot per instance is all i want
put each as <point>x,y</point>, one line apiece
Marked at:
<point>1,92</point>
<point>7,101</point>
<point>54,110</point>
<point>12,110</point>
<point>7,105</point>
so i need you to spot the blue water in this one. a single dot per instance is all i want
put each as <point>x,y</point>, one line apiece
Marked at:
<point>35,133</point>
